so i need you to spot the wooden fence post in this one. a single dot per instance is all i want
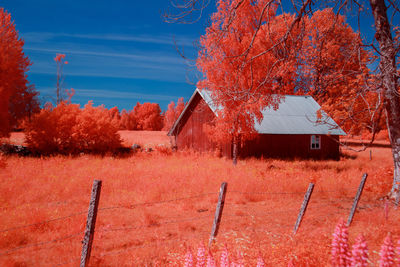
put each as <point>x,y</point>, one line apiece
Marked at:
<point>357,198</point>
<point>218,212</point>
<point>90,223</point>
<point>307,197</point>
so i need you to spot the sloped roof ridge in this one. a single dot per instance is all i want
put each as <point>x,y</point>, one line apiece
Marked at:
<point>287,119</point>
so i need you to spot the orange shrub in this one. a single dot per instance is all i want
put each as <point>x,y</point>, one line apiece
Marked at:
<point>96,131</point>
<point>67,129</point>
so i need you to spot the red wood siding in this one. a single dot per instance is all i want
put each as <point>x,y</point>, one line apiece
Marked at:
<point>190,130</point>
<point>290,146</point>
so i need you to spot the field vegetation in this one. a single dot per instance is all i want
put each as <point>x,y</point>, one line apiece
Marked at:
<point>44,201</point>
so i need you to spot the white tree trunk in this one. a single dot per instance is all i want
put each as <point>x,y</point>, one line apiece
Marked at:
<point>389,80</point>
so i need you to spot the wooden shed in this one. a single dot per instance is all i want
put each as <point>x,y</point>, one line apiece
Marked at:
<point>291,131</point>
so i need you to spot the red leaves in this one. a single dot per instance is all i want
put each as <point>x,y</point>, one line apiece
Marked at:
<point>13,65</point>
<point>67,129</point>
<point>146,116</point>
<point>244,63</point>
<point>59,58</point>
<point>247,55</point>
<point>172,113</point>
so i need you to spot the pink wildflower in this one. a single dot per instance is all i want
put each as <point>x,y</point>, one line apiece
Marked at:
<point>290,263</point>
<point>398,252</point>
<point>210,260</point>
<point>359,252</point>
<point>225,257</point>
<point>387,253</point>
<point>339,245</point>
<point>201,256</point>
<point>189,259</point>
<point>260,261</point>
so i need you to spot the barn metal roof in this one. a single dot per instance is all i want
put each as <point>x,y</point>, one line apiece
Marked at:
<point>295,115</point>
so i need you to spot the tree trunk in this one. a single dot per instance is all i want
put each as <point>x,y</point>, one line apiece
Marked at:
<point>389,80</point>
<point>235,150</point>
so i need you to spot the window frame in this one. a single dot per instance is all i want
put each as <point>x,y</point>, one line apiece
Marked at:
<point>315,142</point>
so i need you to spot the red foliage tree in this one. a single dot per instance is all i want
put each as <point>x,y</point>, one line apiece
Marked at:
<point>115,116</point>
<point>172,113</point>
<point>335,72</point>
<point>250,57</point>
<point>67,129</point>
<point>128,120</point>
<point>13,66</point>
<point>148,116</point>
<point>95,130</point>
<point>169,116</point>
<point>246,74</point>
<point>24,103</point>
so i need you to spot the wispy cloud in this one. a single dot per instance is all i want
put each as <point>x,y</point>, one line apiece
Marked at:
<point>149,39</point>
<point>123,95</point>
<point>147,58</point>
<point>112,94</point>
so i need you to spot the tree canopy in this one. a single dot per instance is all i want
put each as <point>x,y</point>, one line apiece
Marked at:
<point>17,98</point>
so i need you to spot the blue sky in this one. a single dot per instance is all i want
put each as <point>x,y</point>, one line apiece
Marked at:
<point>118,52</point>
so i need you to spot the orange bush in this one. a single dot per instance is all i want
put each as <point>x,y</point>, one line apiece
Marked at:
<point>67,129</point>
<point>144,117</point>
<point>148,116</point>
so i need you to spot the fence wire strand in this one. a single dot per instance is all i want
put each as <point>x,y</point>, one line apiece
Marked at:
<point>265,193</point>
<point>155,202</point>
<point>43,222</point>
<point>40,243</point>
<point>149,225</point>
<point>48,203</point>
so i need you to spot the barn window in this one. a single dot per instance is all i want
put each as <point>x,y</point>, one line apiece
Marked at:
<point>315,141</point>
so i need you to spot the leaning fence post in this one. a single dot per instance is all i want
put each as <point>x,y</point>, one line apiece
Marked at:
<point>357,198</point>
<point>90,223</point>
<point>303,207</point>
<point>218,212</point>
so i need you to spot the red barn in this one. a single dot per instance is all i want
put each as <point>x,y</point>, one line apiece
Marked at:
<point>288,132</point>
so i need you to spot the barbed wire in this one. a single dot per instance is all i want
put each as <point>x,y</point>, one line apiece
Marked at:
<point>149,225</point>
<point>255,215</point>
<point>208,212</point>
<point>43,222</point>
<point>40,243</point>
<point>155,202</point>
<point>40,203</point>
<point>266,193</point>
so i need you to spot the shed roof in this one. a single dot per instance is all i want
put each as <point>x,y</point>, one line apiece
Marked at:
<point>295,115</point>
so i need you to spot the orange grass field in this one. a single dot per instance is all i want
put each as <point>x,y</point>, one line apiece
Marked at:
<point>44,202</point>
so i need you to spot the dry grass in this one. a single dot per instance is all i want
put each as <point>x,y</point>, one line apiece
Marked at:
<point>33,190</point>
<point>145,138</point>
